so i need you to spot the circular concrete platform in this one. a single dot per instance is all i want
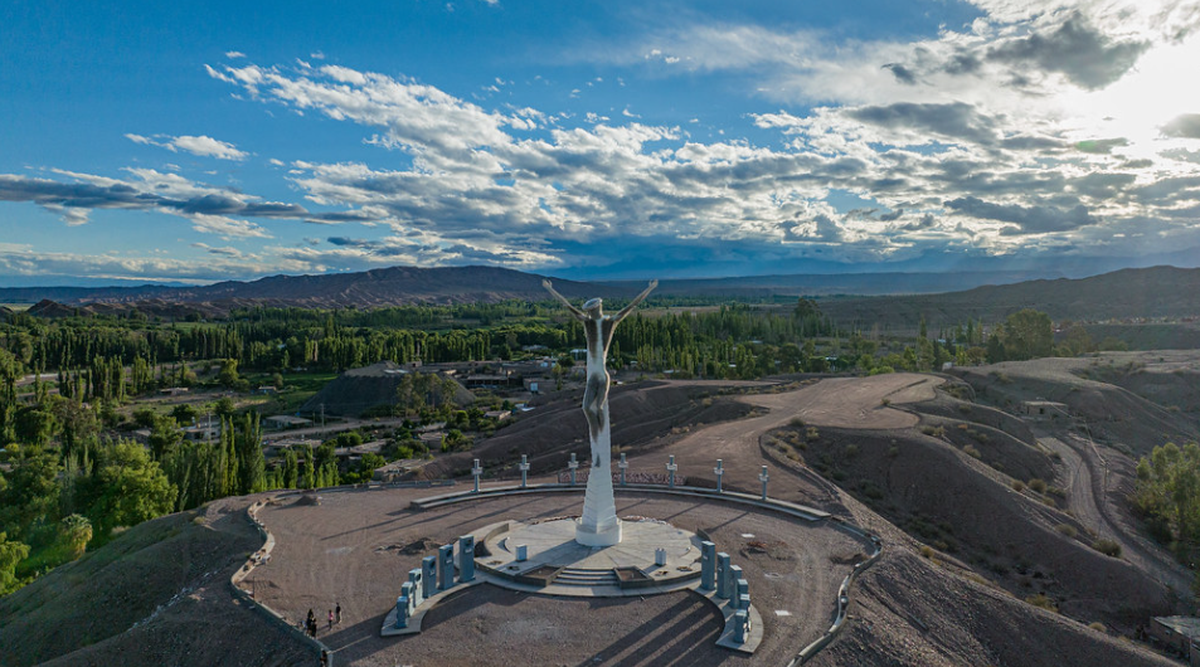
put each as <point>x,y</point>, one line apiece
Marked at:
<point>554,563</point>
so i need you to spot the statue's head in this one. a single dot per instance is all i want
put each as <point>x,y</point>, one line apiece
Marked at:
<point>592,307</point>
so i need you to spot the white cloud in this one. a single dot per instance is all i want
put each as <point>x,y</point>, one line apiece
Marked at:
<point>234,54</point>
<point>196,145</point>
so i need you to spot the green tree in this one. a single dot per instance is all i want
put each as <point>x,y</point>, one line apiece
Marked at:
<point>164,435</point>
<point>1027,334</point>
<point>251,463</point>
<point>228,375</point>
<point>32,492</point>
<point>11,553</point>
<point>1168,490</point>
<point>127,488</point>
<point>75,531</point>
<point>35,426</point>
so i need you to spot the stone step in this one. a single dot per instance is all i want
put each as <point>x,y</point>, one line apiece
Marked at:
<point>573,577</point>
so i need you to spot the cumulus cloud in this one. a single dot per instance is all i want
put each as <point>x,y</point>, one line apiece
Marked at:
<point>1077,50</point>
<point>210,210</point>
<point>196,145</point>
<point>1185,125</point>
<point>1027,219</point>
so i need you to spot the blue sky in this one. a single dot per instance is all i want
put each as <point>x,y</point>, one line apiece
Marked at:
<point>205,141</point>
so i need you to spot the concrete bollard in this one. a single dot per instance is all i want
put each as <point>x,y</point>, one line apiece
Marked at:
<point>401,613</point>
<point>741,626</point>
<point>573,464</point>
<point>763,477</point>
<point>660,557</point>
<point>522,553</point>
<point>524,471</point>
<point>708,565</point>
<point>733,572</point>
<point>671,468</point>
<point>723,575</point>
<point>720,471</point>
<point>742,592</point>
<point>445,563</point>
<point>476,471</point>
<point>406,592</point>
<point>466,558</point>
<point>429,579</point>
<point>622,464</point>
<point>414,578</point>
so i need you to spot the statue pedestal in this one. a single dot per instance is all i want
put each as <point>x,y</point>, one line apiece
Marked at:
<point>591,536</point>
<point>598,526</point>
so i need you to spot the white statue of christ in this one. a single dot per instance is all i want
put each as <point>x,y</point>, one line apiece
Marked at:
<point>599,525</point>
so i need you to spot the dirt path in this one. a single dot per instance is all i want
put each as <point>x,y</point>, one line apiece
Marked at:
<point>837,402</point>
<point>1086,487</point>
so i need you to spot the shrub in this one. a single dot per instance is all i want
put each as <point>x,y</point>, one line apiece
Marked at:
<point>812,433</point>
<point>1098,626</point>
<point>935,431</point>
<point>1038,485</point>
<point>851,451</point>
<point>1040,600</point>
<point>927,551</point>
<point>971,451</point>
<point>1067,530</point>
<point>1107,547</point>
<point>1018,485</point>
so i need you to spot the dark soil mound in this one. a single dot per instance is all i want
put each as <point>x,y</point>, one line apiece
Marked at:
<point>645,413</point>
<point>915,611</point>
<point>155,593</point>
<point>969,511</point>
<point>361,389</point>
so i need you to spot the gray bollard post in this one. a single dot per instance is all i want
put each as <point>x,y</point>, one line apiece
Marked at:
<point>744,602</point>
<point>733,573</point>
<point>466,558</point>
<point>720,470</point>
<point>522,553</point>
<point>414,578</point>
<point>671,468</point>
<point>429,583</point>
<point>476,471</point>
<point>406,592</point>
<point>524,471</point>
<point>401,613</point>
<point>763,477</point>
<point>723,575</point>
<point>445,567</point>
<point>742,592</point>
<point>623,464</point>
<point>573,464</point>
<point>708,565</point>
<point>741,626</point>
<point>660,557</point>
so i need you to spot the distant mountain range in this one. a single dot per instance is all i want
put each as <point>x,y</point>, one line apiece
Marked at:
<point>471,284</point>
<point>849,298</point>
<point>1128,294</point>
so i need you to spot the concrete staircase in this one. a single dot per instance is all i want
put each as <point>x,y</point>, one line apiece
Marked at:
<point>586,578</point>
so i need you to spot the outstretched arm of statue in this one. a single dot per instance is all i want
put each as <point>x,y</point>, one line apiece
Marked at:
<point>636,300</point>
<point>579,314</point>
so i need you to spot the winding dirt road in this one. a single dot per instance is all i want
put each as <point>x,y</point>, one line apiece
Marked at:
<point>837,403</point>
<point>1087,496</point>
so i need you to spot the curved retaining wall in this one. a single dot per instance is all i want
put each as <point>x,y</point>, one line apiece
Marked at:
<point>262,556</point>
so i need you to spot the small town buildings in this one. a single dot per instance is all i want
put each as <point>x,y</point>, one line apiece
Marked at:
<point>280,422</point>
